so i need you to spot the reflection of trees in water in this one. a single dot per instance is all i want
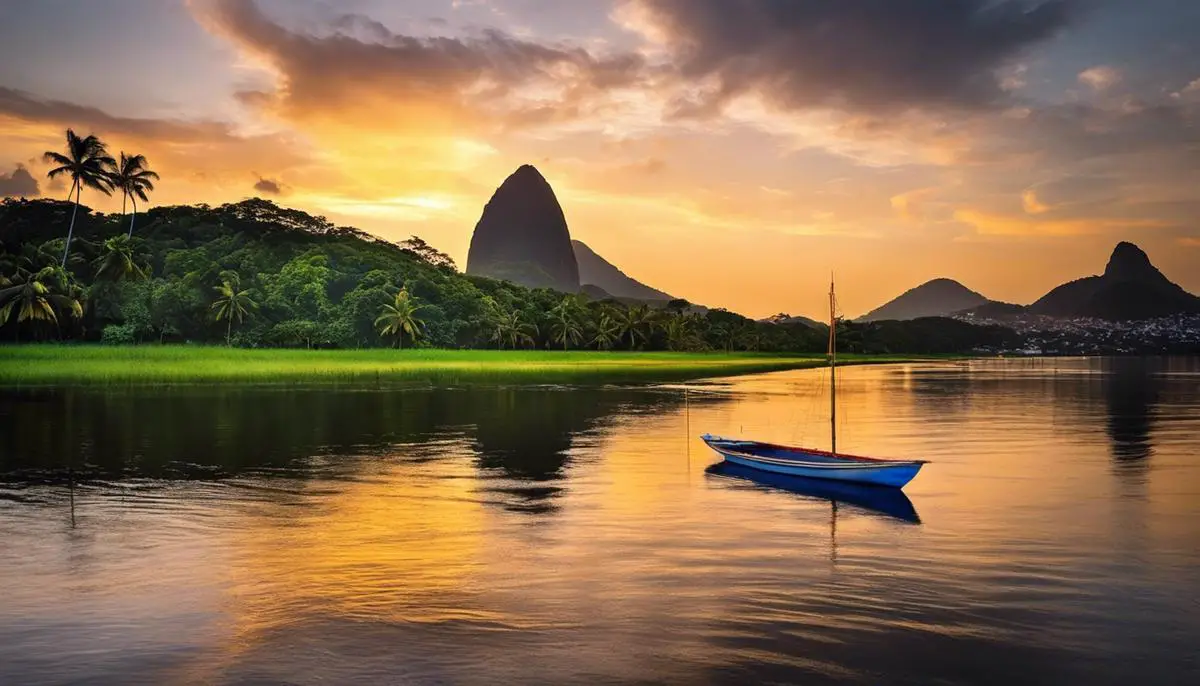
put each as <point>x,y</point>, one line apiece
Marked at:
<point>201,433</point>
<point>524,436</point>
<point>521,437</point>
<point>1131,392</point>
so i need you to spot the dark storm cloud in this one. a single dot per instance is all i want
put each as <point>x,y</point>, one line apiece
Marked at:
<point>867,55</point>
<point>268,186</point>
<point>19,184</point>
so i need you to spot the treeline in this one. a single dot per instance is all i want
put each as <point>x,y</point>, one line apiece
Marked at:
<point>254,274</point>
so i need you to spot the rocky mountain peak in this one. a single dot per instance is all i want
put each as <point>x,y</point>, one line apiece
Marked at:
<point>1130,263</point>
<point>523,236</point>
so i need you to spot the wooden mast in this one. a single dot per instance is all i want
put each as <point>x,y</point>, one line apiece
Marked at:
<point>832,369</point>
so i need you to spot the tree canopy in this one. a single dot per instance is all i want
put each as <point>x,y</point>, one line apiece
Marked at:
<point>255,274</point>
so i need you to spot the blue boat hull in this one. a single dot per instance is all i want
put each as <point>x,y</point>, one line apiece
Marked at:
<point>815,464</point>
<point>890,502</point>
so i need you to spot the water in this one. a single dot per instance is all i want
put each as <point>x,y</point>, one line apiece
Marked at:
<point>555,535</point>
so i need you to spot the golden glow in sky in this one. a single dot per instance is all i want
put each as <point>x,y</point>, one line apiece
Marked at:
<point>733,159</point>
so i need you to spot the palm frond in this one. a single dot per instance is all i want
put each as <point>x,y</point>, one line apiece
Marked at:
<point>57,158</point>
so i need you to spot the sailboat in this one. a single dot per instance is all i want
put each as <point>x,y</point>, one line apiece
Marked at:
<point>886,503</point>
<point>811,462</point>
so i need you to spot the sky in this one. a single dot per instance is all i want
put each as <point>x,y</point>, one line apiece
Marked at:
<point>731,152</point>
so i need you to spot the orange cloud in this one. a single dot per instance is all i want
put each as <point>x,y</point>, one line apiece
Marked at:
<point>992,224</point>
<point>189,154</point>
<point>1029,200</point>
<point>908,205</point>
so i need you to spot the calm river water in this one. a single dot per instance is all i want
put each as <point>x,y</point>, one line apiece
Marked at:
<point>564,535</point>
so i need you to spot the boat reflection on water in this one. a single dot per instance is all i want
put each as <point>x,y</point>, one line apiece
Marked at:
<point>889,502</point>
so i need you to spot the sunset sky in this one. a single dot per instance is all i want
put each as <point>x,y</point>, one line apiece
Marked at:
<point>731,152</point>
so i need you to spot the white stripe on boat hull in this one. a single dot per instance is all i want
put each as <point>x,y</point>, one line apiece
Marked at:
<point>895,474</point>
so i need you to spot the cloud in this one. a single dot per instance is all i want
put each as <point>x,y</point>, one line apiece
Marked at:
<point>996,224</point>
<point>854,55</point>
<point>1190,91</point>
<point>209,153</point>
<point>19,184</point>
<point>1029,200</point>
<point>24,106</point>
<point>355,71</point>
<point>910,205</point>
<point>268,186</point>
<point>1100,78</point>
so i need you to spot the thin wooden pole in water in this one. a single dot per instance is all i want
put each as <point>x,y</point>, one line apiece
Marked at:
<point>687,424</point>
<point>71,492</point>
<point>832,369</point>
<point>833,533</point>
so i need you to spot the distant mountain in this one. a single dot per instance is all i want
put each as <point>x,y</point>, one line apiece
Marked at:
<point>784,318</point>
<point>994,309</point>
<point>523,236</point>
<point>596,271</point>
<point>1130,288</point>
<point>937,298</point>
<point>594,292</point>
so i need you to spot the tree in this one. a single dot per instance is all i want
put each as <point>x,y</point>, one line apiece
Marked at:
<point>33,298</point>
<point>726,335</point>
<point>608,332</point>
<point>296,332</point>
<point>426,252</point>
<point>400,318</point>
<point>134,179</point>
<point>751,337</point>
<point>511,327</point>
<point>681,332</point>
<point>88,164</point>
<point>117,262</point>
<point>636,324</point>
<point>678,306</point>
<point>564,326</point>
<point>232,303</point>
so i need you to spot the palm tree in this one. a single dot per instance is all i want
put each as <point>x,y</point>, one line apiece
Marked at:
<point>564,326</point>
<point>14,264</point>
<point>679,331</point>
<point>637,323</point>
<point>511,327</point>
<point>400,318</point>
<point>133,178</point>
<point>117,262</point>
<point>34,298</point>
<point>608,331</point>
<point>88,164</point>
<point>232,303</point>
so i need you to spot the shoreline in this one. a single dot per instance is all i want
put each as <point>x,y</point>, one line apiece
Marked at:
<point>51,365</point>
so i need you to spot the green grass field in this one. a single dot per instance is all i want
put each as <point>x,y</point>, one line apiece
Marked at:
<point>63,365</point>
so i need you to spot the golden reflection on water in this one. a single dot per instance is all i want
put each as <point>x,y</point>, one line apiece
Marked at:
<point>566,533</point>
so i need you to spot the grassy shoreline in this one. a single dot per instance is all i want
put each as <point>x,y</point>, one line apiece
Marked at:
<point>76,365</point>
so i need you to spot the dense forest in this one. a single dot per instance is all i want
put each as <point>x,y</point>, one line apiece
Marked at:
<point>254,274</point>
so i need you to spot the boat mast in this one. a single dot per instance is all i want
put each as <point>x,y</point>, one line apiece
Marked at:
<point>832,369</point>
